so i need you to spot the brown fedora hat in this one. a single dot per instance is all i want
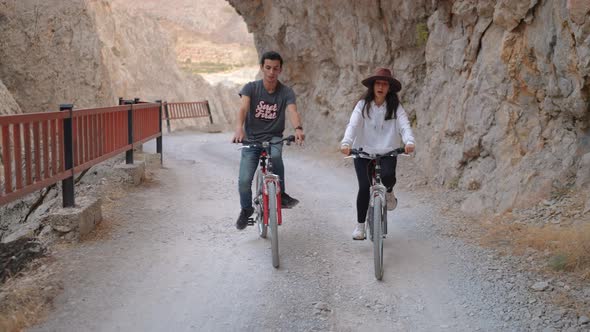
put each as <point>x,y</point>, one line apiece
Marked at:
<point>383,74</point>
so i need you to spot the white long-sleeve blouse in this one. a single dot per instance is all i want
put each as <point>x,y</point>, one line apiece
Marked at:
<point>375,134</point>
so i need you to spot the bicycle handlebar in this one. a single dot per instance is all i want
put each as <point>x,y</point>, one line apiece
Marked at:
<point>392,153</point>
<point>251,144</point>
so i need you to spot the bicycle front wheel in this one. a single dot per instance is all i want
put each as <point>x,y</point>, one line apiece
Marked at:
<point>273,223</point>
<point>378,238</point>
<point>259,204</point>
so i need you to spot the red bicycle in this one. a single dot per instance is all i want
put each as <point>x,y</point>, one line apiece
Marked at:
<point>267,196</point>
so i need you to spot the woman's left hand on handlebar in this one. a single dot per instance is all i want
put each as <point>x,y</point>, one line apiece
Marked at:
<point>409,148</point>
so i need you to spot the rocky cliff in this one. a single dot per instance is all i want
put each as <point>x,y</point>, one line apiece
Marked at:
<point>50,54</point>
<point>498,90</point>
<point>89,52</point>
<point>7,103</point>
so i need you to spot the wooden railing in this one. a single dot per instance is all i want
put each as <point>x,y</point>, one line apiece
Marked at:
<point>176,111</point>
<point>40,149</point>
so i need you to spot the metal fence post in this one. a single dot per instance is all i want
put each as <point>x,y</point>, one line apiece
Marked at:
<point>129,153</point>
<point>68,183</point>
<point>160,138</point>
<point>167,112</point>
<point>209,111</point>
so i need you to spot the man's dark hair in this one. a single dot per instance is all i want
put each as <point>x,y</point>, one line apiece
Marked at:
<point>271,55</point>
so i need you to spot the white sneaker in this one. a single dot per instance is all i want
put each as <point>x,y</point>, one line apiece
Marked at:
<point>391,201</point>
<point>359,232</point>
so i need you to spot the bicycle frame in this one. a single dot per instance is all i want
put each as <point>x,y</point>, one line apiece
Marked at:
<point>378,190</point>
<point>269,177</point>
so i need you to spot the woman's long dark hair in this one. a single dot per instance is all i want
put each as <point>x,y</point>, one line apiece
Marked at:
<point>391,99</point>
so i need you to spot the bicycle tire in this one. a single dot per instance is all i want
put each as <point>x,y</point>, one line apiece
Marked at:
<point>259,204</point>
<point>378,238</point>
<point>273,223</point>
<point>369,221</point>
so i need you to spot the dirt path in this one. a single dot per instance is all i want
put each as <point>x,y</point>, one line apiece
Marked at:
<point>174,260</point>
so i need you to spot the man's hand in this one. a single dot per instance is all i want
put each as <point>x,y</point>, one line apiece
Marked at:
<point>409,148</point>
<point>345,149</point>
<point>299,136</point>
<point>238,135</point>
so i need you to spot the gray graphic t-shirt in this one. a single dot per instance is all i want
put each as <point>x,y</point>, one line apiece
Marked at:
<point>266,117</point>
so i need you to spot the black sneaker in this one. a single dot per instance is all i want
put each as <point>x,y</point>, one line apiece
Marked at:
<point>243,218</point>
<point>287,201</point>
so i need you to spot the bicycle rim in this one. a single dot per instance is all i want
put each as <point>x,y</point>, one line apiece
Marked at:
<point>259,205</point>
<point>273,224</point>
<point>378,238</point>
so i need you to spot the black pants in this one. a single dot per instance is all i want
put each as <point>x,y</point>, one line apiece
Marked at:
<point>364,173</point>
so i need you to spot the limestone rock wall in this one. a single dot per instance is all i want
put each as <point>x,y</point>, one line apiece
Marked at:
<point>7,103</point>
<point>90,52</point>
<point>50,54</point>
<point>498,91</point>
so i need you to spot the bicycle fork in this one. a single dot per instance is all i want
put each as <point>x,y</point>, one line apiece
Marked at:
<point>378,192</point>
<point>272,179</point>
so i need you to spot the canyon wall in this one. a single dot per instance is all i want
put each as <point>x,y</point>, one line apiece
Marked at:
<point>498,91</point>
<point>90,52</point>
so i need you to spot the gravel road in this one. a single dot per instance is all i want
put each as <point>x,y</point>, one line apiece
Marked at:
<point>173,260</point>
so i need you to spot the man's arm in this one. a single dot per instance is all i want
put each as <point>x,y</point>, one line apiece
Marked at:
<point>241,118</point>
<point>295,120</point>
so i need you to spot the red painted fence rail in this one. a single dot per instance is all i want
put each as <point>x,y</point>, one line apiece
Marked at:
<point>40,149</point>
<point>34,146</point>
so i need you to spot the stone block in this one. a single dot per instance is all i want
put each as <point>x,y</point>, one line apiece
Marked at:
<point>26,231</point>
<point>132,173</point>
<point>138,148</point>
<point>152,160</point>
<point>79,220</point>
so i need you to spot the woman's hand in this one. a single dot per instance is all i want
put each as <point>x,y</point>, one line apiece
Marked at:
<point>345,149</point>
<point>409,148</point>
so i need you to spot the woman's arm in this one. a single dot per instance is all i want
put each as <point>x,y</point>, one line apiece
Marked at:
<point>356,120</point>
<point>405,129</point>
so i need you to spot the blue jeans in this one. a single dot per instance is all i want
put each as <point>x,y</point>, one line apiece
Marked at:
<point>249,163</point>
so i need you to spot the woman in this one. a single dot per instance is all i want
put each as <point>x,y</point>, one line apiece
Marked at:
<point>378,124</point>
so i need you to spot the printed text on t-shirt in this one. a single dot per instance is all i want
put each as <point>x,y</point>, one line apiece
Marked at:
<point>266,111</point>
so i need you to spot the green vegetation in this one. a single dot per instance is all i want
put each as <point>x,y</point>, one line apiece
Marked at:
<point>206,67</point>
<point>558,262</point>
<point>454,183</point>
<point>421,34</point>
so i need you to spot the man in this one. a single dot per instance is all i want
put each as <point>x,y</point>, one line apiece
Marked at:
<point>265,105</point>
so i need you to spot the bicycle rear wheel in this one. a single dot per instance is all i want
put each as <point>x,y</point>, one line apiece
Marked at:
<point>259,204</point>
<point>378,238</point>
<point>273,223</point>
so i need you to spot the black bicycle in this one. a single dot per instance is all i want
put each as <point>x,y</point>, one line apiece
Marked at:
<point>377,214</point>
